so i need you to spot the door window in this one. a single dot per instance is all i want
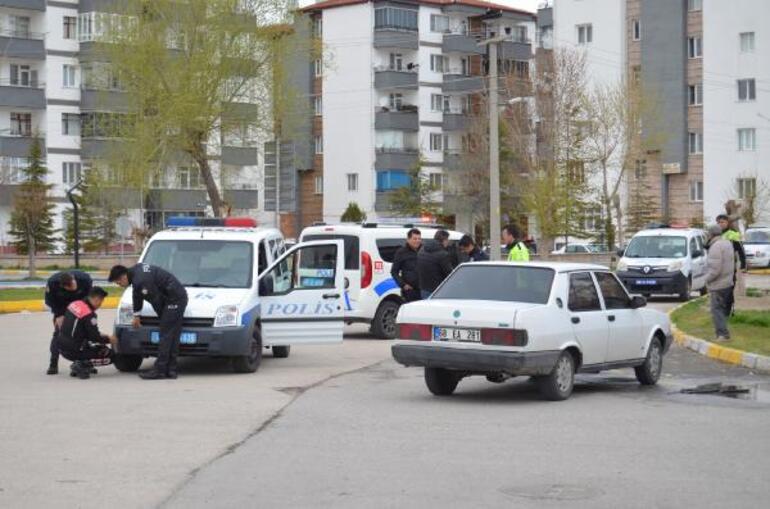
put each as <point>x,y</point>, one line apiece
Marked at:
<point>310,267</point>
<point>615,296</point>
<point>262,257</point>
<point>582,293</point>
<point>693,247</point>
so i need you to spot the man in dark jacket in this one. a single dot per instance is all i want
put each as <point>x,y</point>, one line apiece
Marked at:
<point>434,263</point>
<point>168,298</point>
<point>469,247</point>
<point>79,338</point>
<point>61,290</point>
<point>404,269</point>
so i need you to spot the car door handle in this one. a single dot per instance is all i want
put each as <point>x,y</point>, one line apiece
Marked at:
<point>575,319</point>
<point>611,318</point>
<point>331,296</point>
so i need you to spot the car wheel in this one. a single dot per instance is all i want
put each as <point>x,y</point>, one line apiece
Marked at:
<point>684,295</point>
<point>649,372</point>
<point>440,381</point>
<point>127,363</point>
<point>384,323</point>
<point>281,352</point>
<point>250,363</point>
<point>558,385</point>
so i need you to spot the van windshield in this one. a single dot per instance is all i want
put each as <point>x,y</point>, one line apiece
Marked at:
<point>659,246</point>
<point>204,263</point>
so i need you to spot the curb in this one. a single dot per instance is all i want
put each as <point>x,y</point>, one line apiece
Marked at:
<point>756,362</point>
<point>760,272</point>
<point>17,306</point>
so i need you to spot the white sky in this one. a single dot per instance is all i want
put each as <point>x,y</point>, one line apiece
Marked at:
<point>528,5</point>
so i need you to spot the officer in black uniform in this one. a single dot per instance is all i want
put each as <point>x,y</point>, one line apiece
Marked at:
<point>62,289</point>
<point>79,339</point>
<point>168,298</point>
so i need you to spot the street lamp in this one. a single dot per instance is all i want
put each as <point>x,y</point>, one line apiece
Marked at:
<point>75,221</point>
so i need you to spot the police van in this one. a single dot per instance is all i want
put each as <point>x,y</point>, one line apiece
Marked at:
<point>246,292</point>
<point>371,295</point>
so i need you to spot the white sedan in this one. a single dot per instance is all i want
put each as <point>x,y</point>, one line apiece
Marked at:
<point>546,320</point>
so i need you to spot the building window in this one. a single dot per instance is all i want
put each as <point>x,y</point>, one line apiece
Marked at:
<point>12,169</point>
<point>70,124</point>
<point>439,63</point>
<point>23,76</point>
<point>18,26</point>
<point>747,89</point>
<point>695,94</point>
<point>696,190</point>
<point>747,42</point>
<point>439,23</point>
<point>395,18</point>
<point>318,27</point>
<point>395,101</point>
<point>93,25</point>
<point>319,185</point>
<point>396,62</point>
<point>439,102</point>
<point>318,68</point>
<point>69,76</point>
<point>585,34</point>
<point>70,27</point>
<point>436,181</point>
<point>436,142</point>
<point>695,143</point>
<point>637,30</point>
<point>21,124</point>
<point>694,5</point>
<point>352,181</point>
<point>392,179</point>
<point>694,47</point>
<point>188,177</point>
<point>640,169</point>
<point>747,188</point>
<point>747,139</point>
<point>319,145</point>
<point>318,105</point>
<point>70,173</point>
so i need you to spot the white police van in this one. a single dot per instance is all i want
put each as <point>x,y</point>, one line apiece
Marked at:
<point>246,292</point>
<point>372,296</point>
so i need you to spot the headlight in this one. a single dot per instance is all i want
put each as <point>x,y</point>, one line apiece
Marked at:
<point>125,314</point>
<point>622,266</point>
<point>227,316</point>
<point>674,266</point>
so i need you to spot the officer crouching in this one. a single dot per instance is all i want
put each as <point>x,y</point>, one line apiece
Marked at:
<point>79,338</point>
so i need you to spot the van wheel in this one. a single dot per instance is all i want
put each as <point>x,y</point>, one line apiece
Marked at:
<point>281,352</point>
<point>684,295</point>
<point>250,363</point>
<point>558,385</point>
<point>127,363</point>
<point>384,323</point>
<point>440,381</point>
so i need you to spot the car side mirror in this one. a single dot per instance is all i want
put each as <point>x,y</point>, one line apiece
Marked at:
<point>620,252</point>
<point>637,301</point>
<point>266,286</point>
<point>697,254</point>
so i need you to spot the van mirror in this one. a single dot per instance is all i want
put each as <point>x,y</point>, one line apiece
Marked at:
<point>620,252</point>
<point>697,254</point>
<point>266,286</point>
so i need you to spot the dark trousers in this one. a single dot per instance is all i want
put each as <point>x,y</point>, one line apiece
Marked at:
<point>720,310</point>
<point>411,295</point>
<point>87,353</point>
<point>54,348</point>
<point>171,319</point>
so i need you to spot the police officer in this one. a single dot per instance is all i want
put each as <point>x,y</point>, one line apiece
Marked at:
<point>471,250</point>
<point>517,250</point>
<point>79,339</point>
<point>62,289</point>
<point>404,269</point>
<point>168,298</point>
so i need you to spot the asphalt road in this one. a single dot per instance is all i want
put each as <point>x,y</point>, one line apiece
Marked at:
<point>344,426</point>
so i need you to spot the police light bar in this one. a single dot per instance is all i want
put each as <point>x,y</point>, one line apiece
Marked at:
<point>227,222</point>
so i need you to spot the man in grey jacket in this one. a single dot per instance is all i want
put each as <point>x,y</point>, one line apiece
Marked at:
<point>719,280</point>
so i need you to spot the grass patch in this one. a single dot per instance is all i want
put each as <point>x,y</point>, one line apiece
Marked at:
<point>8,294</point>
<point>750,330</point>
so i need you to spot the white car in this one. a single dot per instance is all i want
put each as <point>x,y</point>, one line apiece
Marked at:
<point>756,244</point>
<point>578,248</point>
<point>546,320</point>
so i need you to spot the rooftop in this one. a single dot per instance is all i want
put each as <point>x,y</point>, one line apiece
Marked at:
<point>329,4</point>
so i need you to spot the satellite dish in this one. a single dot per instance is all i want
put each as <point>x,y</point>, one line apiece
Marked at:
<point>124,227</point>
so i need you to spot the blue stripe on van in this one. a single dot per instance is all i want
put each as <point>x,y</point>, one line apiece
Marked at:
<point>385,286</point>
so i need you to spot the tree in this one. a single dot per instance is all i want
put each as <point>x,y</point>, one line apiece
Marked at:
<point>187,74</point>
<point>417,198</point>
<point>755,204</point>
<point>97,213</point>
<point>353,214</point>
<point>641,209</point>
<point>31,221</point>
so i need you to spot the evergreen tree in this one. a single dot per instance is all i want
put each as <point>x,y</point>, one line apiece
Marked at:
<point>97,216</point>
<point>353,214</point>
<point>31,221</point>
<point>641,205</point>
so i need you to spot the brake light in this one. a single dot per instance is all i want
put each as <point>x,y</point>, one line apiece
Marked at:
<point>417,331</point>
<point>504,337</point>
<point>366,269</point>
<point>240,222</point>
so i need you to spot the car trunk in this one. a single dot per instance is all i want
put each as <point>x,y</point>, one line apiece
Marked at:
<point>472,314</point>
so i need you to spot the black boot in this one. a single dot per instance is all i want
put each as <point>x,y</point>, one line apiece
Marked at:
<point>90,366</point>
<point>53,368</point>
<point>152,374</point>
<point>80,370</point>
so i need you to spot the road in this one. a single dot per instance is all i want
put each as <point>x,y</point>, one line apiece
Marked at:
<point>344,426</point>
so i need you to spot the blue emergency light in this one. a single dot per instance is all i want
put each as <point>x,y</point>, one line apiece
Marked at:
<point>227,222</point>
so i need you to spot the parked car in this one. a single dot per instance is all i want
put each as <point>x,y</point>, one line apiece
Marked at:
<point>756,243</point>
<point>578,249</point>
<point>546,320</point>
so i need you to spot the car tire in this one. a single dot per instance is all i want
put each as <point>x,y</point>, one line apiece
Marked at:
<point>250,363</point>
<point>440,381</point>
<point>281,352</point>
<point>384,323</point>
<point>649,372</point>
<point>127,363</point>
<point>684,295</point>
<point>558,384</point>
<point>647,295</point>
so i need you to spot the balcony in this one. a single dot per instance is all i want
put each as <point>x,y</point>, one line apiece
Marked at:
<point>22,44</point>
<point>390,158</point>
<point>15,145</point>
<point>456,120</point>
<point>176,199</point>
<point>239,155</point>
<point>453,160</point>
<point>462,43</point>
<point>462,83</point>
<point>392,38</point>
<point>404,119</point>
<point>383,201</point>
<point>516,50</point>
<point>95,148</point>
<point>92,99</point>
<point>385,77</point>
<point>30,5</point>
<point>242,198</point>
<point>13,95</point>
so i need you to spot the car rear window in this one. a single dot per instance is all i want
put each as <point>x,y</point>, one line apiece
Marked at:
<point>352,257</point>
<point>388,248</point>
<point>495,282</point>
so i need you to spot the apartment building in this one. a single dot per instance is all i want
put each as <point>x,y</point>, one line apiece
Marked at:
<point>707,67</point>
<point>52,84</point>
<point>395,90</point>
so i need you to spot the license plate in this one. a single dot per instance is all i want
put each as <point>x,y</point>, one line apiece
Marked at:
<point>645,282</point>
<point>187,338</point>
<point>453,334</point>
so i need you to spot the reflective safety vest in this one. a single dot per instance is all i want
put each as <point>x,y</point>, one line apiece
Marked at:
<point>518,253</point>
<point>731,235</point>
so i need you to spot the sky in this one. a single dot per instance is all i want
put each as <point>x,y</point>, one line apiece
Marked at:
<point>527,5</point>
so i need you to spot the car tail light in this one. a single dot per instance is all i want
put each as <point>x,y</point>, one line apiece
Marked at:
<point>366,269</point>
<point>504,337</point>
<point>418,331</point>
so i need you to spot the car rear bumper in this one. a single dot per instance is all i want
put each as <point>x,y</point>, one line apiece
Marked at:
<point>665,282</point>
<point>211,342</point>
<point>476,360</point>
<point>754,262</point>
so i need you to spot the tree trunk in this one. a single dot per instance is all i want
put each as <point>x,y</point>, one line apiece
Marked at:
<point>31,252</point>
<point>609,230</point>
<point>217,204</point>
<point>619,217</point>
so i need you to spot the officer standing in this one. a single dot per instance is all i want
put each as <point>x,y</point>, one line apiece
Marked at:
<point>61,290</point>
<point>517,250</point>
<point>404,269</point>
<point>79,338</point>
<point>168,298</point>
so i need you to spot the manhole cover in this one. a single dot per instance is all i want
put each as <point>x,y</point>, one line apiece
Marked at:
<point>553,492</point>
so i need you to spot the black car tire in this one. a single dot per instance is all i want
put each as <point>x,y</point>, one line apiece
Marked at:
<point>440,381</point>
<point>384,323</point>
<point>684,295</point>
<point>281,352</point>
<point>127,363</point>
<point>250,363</point>
<point>649,372</point>
<point>558,384</point>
